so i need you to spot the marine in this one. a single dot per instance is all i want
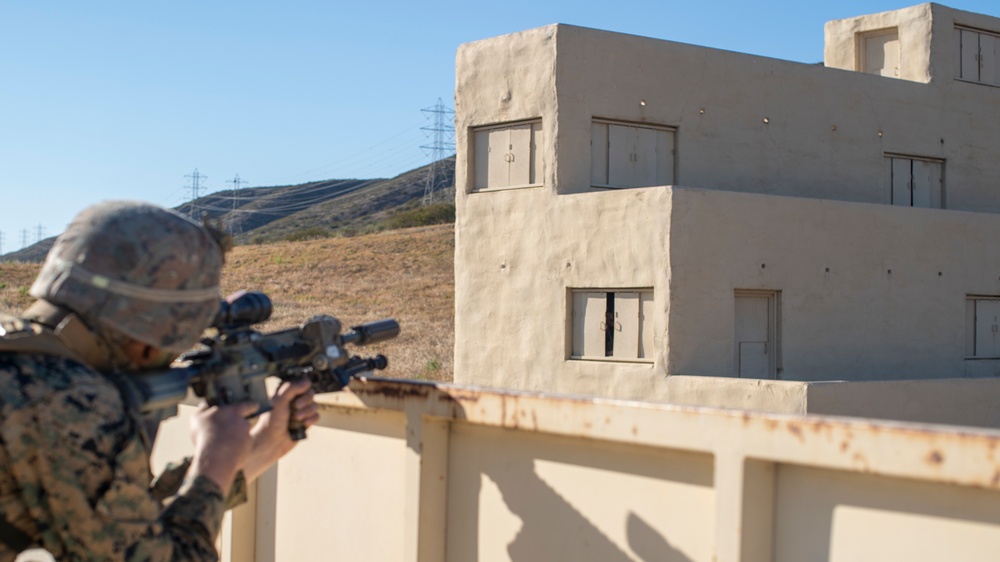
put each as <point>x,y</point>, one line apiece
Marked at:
<point>127,287</point>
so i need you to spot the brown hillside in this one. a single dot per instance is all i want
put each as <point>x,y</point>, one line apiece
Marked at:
<point>404,274</point>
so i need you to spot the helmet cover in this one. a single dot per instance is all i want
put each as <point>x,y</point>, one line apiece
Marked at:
<point>141,270</point>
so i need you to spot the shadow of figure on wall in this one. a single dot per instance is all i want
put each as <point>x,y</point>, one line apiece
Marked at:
<point>553,529</point>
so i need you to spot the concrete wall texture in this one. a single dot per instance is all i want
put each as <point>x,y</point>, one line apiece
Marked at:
<point>781,184</point>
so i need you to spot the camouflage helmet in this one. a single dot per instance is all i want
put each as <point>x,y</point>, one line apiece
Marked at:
<point>138,269</point>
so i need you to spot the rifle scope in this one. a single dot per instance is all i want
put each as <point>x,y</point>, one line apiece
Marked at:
<point>251,307</point>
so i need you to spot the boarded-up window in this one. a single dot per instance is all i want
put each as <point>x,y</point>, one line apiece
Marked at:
<point>913,181</point>
<point>978,56</point>
<point>879,53</point>
<point>982,327</point>
<point>507,156</point>
<point>755,345</point>
<point>612,324</point>
<point>627,155</point>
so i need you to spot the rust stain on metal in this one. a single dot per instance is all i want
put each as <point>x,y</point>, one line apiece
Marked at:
<point>861,460</point>
<point>935,457</point>
<point>796,430</point>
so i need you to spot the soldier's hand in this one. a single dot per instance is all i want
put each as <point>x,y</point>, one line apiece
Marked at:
<point>222,441</point>
<point>292,400</point>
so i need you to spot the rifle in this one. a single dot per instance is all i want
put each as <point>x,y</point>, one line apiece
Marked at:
<point>231,366</point>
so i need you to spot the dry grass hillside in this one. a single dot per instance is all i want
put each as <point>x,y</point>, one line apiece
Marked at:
<point>404,274</point>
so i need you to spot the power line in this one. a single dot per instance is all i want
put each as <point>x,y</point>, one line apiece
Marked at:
<point>443,144</point>
<point>24,238</point>
<point>40,230</point>
<point>235,222</point>
<point>195,188</point>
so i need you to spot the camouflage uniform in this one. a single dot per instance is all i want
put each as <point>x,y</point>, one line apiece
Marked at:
<point>74,455</point>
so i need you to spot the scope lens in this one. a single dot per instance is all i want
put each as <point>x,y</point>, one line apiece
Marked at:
<point>251,307</point>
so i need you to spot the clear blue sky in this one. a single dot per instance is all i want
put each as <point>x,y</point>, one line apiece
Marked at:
<point>123,99</point>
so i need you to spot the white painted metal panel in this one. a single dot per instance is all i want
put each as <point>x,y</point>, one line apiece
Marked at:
<point>626,343</point>
<point>958,52</point>
<point>599,154</point>
<point>988,59</point>
<point>665,146</point>
<point>926,184</point>
<point>621,147</point>
<point>970,327</point>
<point>753,361</point>
<point>498,167</point>
<point>644,173</point>
<point>901,181</point>
<point>752,317</point>
<point>499,475</point>
<point>333,514</point>
<point>517,496</point>
<point>520,155</point>
<point>537,140</point>
<point>842,517</point>
<point>481,164</point>
<point>647,316</point>
<point>970,55</point>
<point>589,312</point>
<point>882,55</point>
<point>987,328</point>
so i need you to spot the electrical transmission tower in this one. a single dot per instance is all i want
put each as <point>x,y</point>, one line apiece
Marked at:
<point>195,188</point>
<point>235,220</point>
<point>24,238</point>
<point>40,230</point>
<point>442,133</point>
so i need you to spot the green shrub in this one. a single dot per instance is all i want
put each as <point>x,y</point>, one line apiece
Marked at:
<point>438,213</point>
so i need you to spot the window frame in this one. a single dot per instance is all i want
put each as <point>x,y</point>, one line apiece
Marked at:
<point>888,195</point>
<point>645,320</point>
<point>959,43</point>
<point>535,164</point>
<point>861,50</point>
<point>655,127</point>
<point>971,327</point>
<point>774,335</point>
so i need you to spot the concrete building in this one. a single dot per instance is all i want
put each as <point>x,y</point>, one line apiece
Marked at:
<point>630,208</point>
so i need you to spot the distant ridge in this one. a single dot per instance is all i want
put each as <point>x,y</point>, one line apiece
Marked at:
<point>309,210</point>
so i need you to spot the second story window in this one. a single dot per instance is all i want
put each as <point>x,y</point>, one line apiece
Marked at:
<point>978,56</point>
<point>507,156</point>
<point>914,182</point>
<point>630,155</point>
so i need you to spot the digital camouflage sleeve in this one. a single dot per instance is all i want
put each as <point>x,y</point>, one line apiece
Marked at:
<point>75,475</point>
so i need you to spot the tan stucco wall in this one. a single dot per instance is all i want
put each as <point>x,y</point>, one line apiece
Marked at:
<point>516,265</point>
<point>856,321</point>
<point>826,134</point>
<point>844,316</point>
<point>966,402</point>
<point>519,252</point>
<point>926,38</point>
